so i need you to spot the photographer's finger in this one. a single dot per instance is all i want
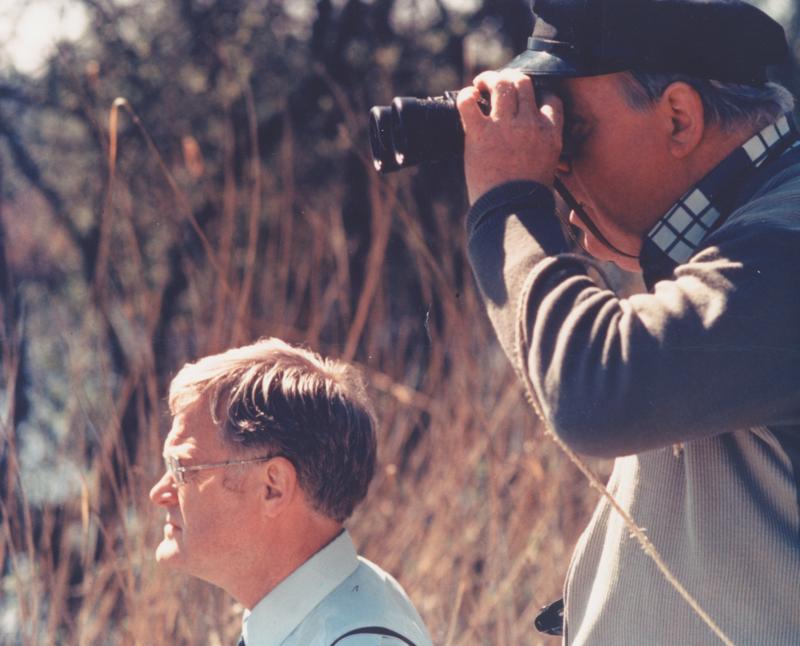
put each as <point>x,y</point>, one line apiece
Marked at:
<point>504,99</point>
<point>469,109</point>
<point>500,89</point>
<point>552,109</point>
<point>485,81</point>
<point>526,95</point>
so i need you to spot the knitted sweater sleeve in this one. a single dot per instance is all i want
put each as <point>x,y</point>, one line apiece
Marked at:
<point>714,349</point>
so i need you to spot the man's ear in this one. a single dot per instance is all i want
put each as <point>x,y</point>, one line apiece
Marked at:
<point>278,485</point>
<point>684,117</point>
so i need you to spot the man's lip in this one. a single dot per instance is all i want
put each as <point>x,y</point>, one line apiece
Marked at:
<point>170,529</point>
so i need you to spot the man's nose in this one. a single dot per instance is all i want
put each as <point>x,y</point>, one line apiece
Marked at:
<point>163,492</point>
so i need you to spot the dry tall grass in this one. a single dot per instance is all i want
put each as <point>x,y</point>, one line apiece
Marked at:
<point>472,509</point>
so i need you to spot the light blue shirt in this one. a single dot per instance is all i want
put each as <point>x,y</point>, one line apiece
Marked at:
<point>333,592</point>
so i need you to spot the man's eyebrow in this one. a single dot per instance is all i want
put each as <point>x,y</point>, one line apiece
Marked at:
<point>176,452</point>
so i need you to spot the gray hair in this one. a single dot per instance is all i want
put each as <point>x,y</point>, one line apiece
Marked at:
<point>727,105</point>
<point>277,398</point>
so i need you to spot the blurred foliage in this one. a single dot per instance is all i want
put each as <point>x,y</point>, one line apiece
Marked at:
<point>189,70</point>
<point>213,84</point>
<point>234,199</point>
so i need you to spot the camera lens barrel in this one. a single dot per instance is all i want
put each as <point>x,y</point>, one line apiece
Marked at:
<point>413,130</point>
<point>380,139</point>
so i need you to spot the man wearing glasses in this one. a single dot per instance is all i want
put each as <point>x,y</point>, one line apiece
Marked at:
<point>270,450</point>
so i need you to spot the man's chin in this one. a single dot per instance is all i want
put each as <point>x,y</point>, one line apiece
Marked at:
<point>601,252</point>
<point>168,554</point>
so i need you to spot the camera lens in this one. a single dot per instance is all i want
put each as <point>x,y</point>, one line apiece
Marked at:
<point>412,130</point>
<point>380,139</point>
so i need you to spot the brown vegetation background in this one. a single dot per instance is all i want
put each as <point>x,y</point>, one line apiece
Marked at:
<point>228,197</point>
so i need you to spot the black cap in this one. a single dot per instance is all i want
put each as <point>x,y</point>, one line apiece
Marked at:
<point>725,40</point>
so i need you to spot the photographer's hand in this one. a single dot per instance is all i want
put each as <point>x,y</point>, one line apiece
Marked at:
<point>517,140</point>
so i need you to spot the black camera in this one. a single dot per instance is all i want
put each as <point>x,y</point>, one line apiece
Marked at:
<point>410,131</point>
<point>413,130</point>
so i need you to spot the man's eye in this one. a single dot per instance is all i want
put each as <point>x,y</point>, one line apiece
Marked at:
<point>189,476</point>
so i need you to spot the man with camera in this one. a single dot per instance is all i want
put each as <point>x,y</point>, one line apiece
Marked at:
<point>271,449</point>
<point>678,159</point>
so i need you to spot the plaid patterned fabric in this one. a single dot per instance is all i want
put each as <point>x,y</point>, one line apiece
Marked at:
<point>678,234</point>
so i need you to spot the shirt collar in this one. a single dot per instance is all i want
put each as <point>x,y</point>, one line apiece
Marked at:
<point>705,206</point>
<point>277,615</point>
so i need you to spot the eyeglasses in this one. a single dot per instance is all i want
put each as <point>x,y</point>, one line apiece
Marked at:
<point>177,470</point>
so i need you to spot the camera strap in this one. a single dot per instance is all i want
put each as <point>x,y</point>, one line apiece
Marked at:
<point>550,619</point>
<point>584,217</point>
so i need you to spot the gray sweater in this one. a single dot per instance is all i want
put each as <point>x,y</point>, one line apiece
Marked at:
<point>710,358</point>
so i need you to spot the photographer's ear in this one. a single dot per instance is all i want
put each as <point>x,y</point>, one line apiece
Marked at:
<point>683,118</point>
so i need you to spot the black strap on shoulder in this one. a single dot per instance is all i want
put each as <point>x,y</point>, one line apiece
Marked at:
<point>550,619</point>
<point>374,630</point>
